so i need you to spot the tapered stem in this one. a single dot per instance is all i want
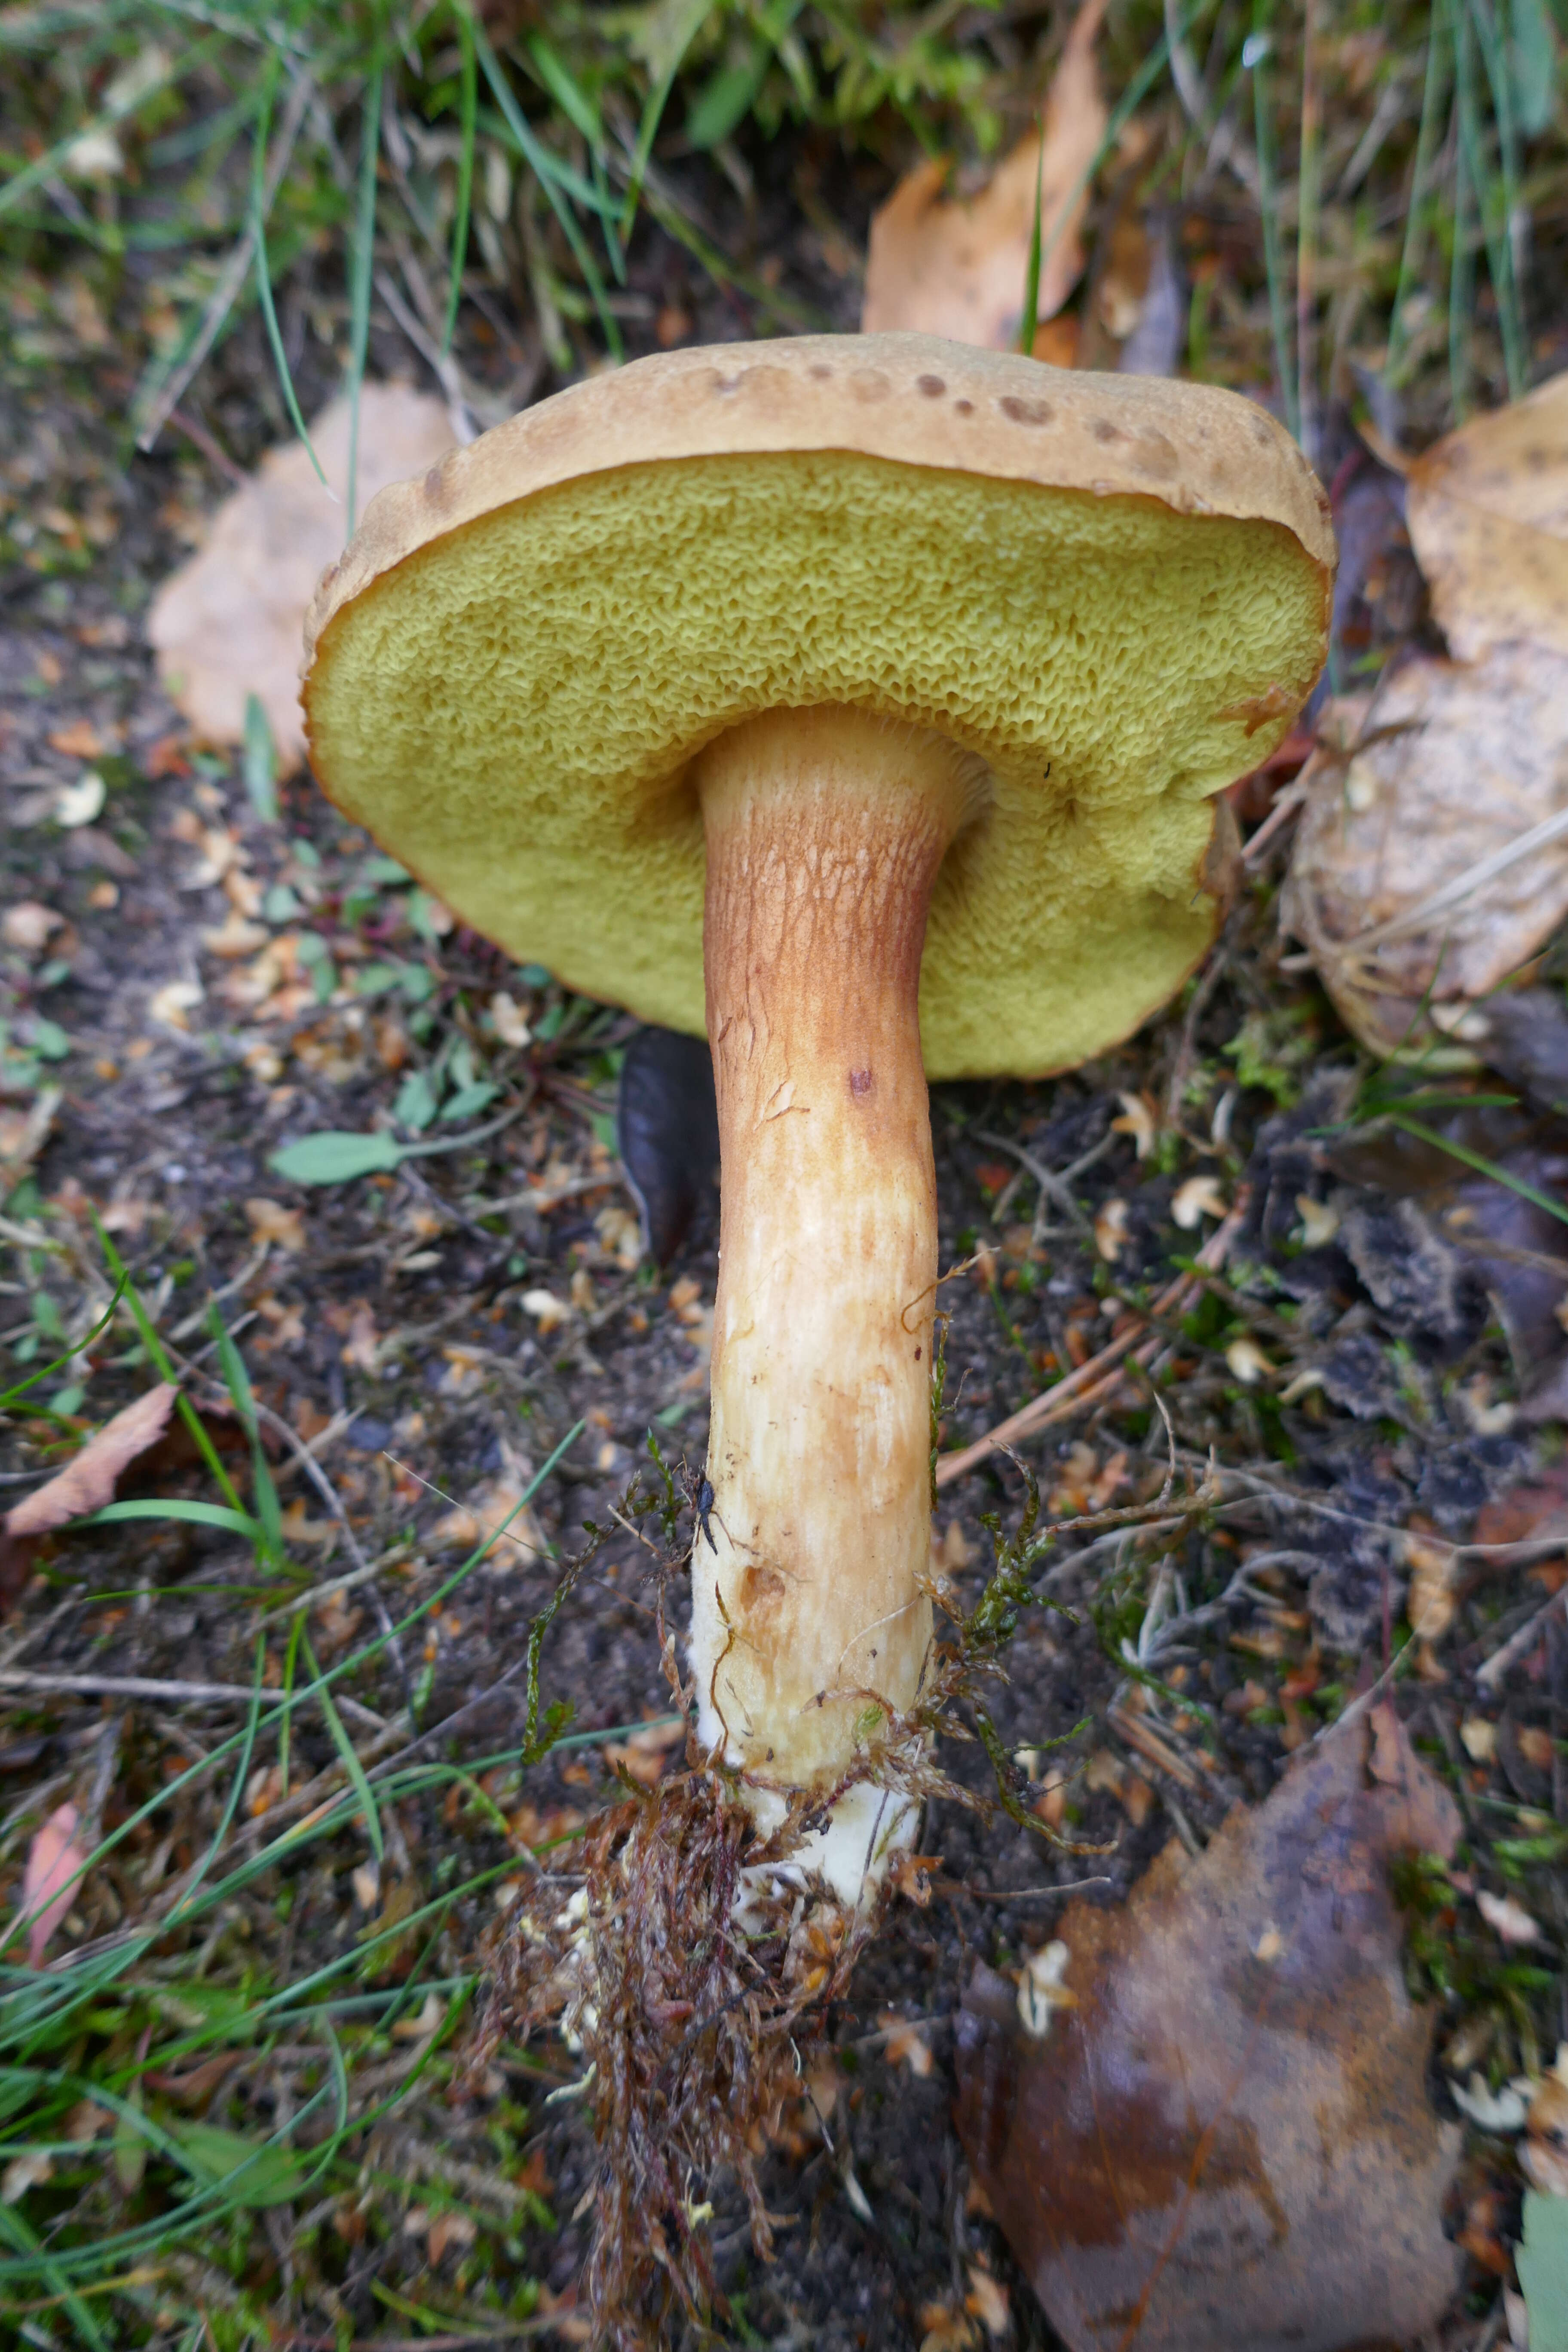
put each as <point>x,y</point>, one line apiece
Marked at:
<point>824,831</point>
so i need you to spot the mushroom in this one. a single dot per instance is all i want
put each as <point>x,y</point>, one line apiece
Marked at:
<point>862,699</point>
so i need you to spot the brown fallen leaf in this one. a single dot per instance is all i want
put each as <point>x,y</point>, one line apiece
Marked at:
<point>1488,514</point>
<point>905,2043</point>
<point>1425,871</point>
<point>941,264</point>
<point>228,623</point>
<point>85,1485</point>
<point>50,1881</point>
<point>1226,2141</point>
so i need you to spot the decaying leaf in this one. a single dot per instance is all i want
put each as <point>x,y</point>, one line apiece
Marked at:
<point>85,1483</point>
<point>1227,2141</point>
<point>1488,512</point>
<point>50,1881</point>
<point>905,2043</point>
<point>1423,872</point>
<point>228,623</point>
<point>943,264</point>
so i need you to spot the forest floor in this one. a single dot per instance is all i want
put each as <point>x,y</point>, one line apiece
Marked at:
<point>214,984</point>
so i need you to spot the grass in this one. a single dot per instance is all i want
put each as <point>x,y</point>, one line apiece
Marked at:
<point>110,2190</point>
<point>226,154</point>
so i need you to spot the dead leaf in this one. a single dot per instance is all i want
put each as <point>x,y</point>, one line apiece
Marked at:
<point>1228,2141</point>
<point>497,1508</point>
<point>1417,875</point>
<point>905,2043</point>
<point>1487,513</point>
<point>27,925</point>
<point>1508,1920</point>
<point>269,1220</point>
<point>1111,1235</point>
<point>23,1135</point>
<point>942,2329</point>
<point>79,741</point>
<point>228,623</point>
<point>645,1754</point>
<point>85,1485</point>
<point>1198,1197</point>
<point>50,1881</point>
<point>987,2301</point>
<point>943,264</point>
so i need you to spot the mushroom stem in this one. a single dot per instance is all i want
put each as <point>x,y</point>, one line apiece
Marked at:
<point>810,1619</point>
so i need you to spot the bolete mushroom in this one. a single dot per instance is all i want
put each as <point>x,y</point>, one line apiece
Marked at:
<point>863,700</point>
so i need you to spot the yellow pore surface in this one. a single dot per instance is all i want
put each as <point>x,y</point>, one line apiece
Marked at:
<point>513,710</point>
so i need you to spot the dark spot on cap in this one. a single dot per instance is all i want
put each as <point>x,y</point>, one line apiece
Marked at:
<point>934,386</point>
<point>1154,455</point>
<point>1104,430</point>
<point>917,1355</point>
<point>1026,411</point>
<point>726,383</point>
<point>964,407</point>
<point>869,384</point>
<point>861,1083</point>
<point>821,370</point>
<point>1260,432</point>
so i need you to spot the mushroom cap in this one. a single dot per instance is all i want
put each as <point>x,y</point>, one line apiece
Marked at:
<point>1114,590</point>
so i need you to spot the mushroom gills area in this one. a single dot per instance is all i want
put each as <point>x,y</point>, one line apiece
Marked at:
<point>825,831</point>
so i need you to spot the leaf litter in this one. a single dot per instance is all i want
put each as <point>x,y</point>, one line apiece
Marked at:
<point>1221,2134</point>
<point>208,1101</point>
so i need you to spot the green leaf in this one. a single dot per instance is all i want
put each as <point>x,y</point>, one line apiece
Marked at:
<point>344,1746</point>
<point>261,761</point>
<point>250,2172</point>
<point>416,1104</point>
<point>568,93</point>
<point>471,1100</point>
<point>1542,2263</point>
<point>51,1040</point>
<point>385,872</point>
<point>335,1157</point>
<point>725,99</point>
<point>1534,66</point>
<point>201,1514</point>
<point>279,905</point>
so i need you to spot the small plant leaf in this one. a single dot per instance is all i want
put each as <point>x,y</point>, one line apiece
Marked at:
<point>250,2172</point>
<point>261,761</point>
<point>1542,2263</point>
<point>335,1157</point>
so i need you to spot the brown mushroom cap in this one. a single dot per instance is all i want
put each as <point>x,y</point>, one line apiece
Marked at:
<point>1113,590</point>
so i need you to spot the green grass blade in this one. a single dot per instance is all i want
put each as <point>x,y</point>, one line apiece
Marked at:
<point>199,1514</point>
<point>263,272</point>
<point>155,1349</point>
<point>242,1773</point>
<point>16,2229</point>
<point>695,17</point>
<point>1029,321</point>
<point>1500,205</point>
<point>290,1663</point>
<point>268,1511</point>
<point>1255,55</point>
<point>345,1749</point>
<point>1132,98</point>
<point>1433,88</point>
<point>362,259</point>
<point>79,1346</point>
<point>1461,274</point>
<point>1484,1166</point>
<point>469,103</point>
